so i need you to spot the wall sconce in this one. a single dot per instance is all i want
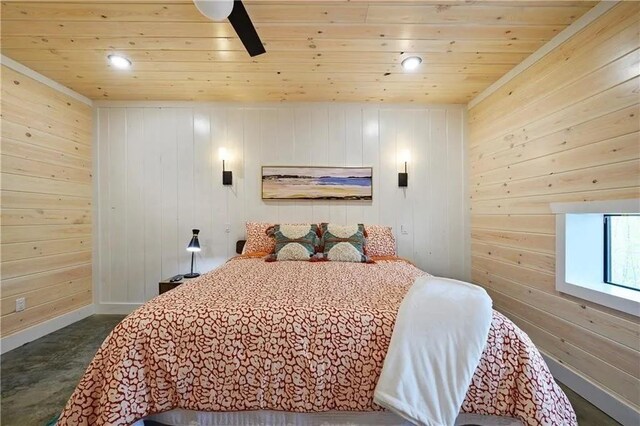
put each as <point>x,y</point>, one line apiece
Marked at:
<point>227,175</point>
<point>403,178</point>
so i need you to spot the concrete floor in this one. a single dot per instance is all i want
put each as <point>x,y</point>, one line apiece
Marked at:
<point>39,377</point>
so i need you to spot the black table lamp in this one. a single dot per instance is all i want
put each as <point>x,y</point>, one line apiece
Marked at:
<point>193,247</point>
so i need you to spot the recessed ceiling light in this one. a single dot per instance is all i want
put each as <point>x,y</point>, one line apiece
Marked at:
<point>119,62</point>
<point>411,63</point>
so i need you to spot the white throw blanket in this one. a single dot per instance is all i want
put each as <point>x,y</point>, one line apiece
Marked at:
<point>438,339</point>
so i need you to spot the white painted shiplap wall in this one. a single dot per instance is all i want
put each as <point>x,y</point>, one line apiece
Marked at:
<point>158,176</point>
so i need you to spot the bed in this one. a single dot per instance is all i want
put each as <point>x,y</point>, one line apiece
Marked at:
<point>289,337</point>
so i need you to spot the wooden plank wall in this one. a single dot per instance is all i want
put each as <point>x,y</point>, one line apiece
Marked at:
<point>566,129</point>
<point>46,202</point>
<point>160,175</point>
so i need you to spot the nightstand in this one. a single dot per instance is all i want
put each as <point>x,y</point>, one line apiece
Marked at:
<point>165,285</point>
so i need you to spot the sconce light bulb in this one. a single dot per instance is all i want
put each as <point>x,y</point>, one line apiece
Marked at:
<point>405,156</point>
<point>223,153</point>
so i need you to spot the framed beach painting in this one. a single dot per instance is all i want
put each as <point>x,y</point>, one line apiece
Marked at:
<point>316,183</point>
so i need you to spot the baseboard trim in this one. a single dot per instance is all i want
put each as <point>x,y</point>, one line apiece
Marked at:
<point>37,331</point>
<point>616,408</point>
<point>117,308</point>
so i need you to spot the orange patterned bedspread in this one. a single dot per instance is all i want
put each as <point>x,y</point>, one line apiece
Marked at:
<point>294,336</point>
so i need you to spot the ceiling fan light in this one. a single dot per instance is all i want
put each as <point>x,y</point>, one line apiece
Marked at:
<point>411,63</point>
<point>119,62</point>
<point>216,10</point>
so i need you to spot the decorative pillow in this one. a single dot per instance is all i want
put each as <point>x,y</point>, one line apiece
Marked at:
<point>294,242</point>
<point>257,238</point>
<point>380,241</point>
<point>343,243</point>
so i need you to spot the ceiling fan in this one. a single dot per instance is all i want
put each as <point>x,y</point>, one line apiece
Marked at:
<point>217,10</point>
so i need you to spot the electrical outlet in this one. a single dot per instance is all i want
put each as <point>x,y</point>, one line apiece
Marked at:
<point>404,229</point>
<point>21,304</point>
<point>227,228</point>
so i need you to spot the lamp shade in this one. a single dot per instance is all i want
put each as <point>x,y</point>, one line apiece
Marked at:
<point>194,244</point>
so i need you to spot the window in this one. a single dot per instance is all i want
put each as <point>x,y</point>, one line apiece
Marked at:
<point>622,250</point>
<point>602,267</point>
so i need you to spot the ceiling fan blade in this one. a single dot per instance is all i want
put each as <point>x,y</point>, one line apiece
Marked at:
<point>241,22</point>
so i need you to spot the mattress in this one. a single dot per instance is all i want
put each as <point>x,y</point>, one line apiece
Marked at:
<point>299,337</point>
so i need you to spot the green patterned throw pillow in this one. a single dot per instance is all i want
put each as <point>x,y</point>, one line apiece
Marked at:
<point>294,242</point>
<point>343,243</point>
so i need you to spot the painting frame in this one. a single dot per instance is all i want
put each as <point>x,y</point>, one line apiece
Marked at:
<point>341,183</point>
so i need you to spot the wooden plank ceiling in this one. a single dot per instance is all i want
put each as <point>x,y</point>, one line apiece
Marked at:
<point>316,51</point>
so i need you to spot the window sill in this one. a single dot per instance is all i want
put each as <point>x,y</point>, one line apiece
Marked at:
<point>620,298</point>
